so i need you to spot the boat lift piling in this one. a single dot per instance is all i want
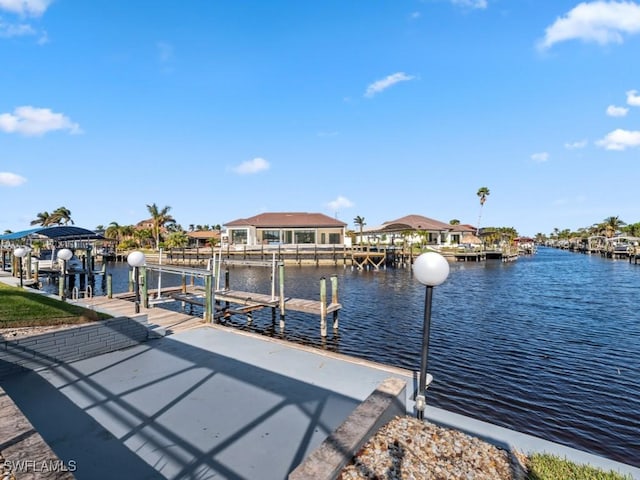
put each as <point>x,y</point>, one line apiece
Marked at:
<point>217,303</point>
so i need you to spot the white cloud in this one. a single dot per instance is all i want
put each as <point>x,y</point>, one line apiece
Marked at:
<point>381,85</point>
<point>18,30</point>
<point>11,179</point>
<point>340,202</point>
<point>252,166</point>
<point>470,3</point>
<point>633,98</point>
<point>575,145</point>
<point>33,8</point>
<point>415,15</point>
<point>600,21</point>
<point>620,140</point>
<point>540,157</point>
<point>614,111</point>
<point>33,121</point>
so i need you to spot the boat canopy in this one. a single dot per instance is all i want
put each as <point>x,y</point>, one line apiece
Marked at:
<point>61,232</point>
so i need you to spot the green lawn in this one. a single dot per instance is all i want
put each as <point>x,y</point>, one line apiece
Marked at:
<point>551,467</point>
<point>22,308</point>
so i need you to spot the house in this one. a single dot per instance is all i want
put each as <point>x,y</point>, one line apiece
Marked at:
<point>286,228</point>
<point>418,229</point>
<point>204,238</point>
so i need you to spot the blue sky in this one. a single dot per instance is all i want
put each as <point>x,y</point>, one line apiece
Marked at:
<point>223,109</point>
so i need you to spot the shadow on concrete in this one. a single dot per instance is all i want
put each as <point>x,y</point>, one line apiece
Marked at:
<point>168,409</point>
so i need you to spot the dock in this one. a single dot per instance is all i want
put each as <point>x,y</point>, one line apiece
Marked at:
<point>169,321</point>
<point>219,304</point>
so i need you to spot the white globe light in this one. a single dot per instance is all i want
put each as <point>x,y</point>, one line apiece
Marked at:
<point>136,259</point>
<point>431,269</point>
<point>65,254</point>
<point>20,252</point>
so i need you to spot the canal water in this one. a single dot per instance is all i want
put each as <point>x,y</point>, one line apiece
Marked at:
<point>547,345</point>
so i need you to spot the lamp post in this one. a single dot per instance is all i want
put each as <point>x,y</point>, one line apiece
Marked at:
<point>20,252</point>
<point>65,255</point>
<point>136,260</point>
<point>431,269</point>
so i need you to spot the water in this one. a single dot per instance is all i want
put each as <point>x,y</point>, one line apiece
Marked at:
<point>547,345</point>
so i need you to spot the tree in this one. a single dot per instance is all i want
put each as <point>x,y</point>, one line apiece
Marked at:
<point>611,225</point>
<point>113,231</point>
<point>177,240</point>
<point>42,218</point>
<point>455,221</point>
<point>359,221</point>
<point>61,215</point>
<point>160,218</point>
<point>632,229</point>
<point>483,193</point>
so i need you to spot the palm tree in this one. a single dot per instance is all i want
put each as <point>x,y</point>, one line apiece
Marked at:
<point>611,225</point>
<point>160,218</point>
<point>177,240</point>
<point>359,221</point>
<point>43,218</point>
<point>113,231</point>
<point>483,193</point>
<point>62,215</point>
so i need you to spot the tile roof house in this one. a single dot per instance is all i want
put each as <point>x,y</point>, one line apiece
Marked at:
<point>418,228</point>
<point>286,228</point>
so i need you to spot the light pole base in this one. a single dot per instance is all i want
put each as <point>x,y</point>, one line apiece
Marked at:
<point>420,406</point>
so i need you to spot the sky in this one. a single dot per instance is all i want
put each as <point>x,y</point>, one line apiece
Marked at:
<point>224,109</point>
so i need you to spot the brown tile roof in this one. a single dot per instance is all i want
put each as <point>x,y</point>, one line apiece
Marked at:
<point>287,219</point>
<point>206,234</point>
<point>414,222</point>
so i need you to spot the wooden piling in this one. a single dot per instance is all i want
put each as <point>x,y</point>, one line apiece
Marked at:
<point>323,307</point>
<point>334,299</point>
<point>208,304</point>
<point>144,286</point>
<point>281,290</point>
<point>110,285</point>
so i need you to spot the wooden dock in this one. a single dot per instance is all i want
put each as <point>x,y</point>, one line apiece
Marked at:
<point>227,303</point>
<point>470,256</point>
<point>169,320</point>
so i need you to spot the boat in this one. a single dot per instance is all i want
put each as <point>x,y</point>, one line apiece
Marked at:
<point>48,261</point>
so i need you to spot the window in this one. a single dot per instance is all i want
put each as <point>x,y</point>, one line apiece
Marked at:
<point>305,236</point>
<point>334,238</point>
<point>271,236</point>
<point>239,237</point>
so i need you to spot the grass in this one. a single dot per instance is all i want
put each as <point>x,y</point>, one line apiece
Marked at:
<point>21,308</point>
<point>551,467</point>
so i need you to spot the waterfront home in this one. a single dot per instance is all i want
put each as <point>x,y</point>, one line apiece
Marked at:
<point>416,229</point>
<point>204,238</point>
<point>286,228</point>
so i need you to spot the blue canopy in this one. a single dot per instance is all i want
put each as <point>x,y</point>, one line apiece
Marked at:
<point>61,232</point>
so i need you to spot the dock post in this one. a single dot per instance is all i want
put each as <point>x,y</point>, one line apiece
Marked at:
<point>334,299</point>
<point>208,285</point>
<point>110,285</point>
<point>61,285</point>
<point>145,287</point>
<point>184,283</point>
<point>323,307</point>
<point>281,284</point>
<point>227,314</point>
<point>35,269</point>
